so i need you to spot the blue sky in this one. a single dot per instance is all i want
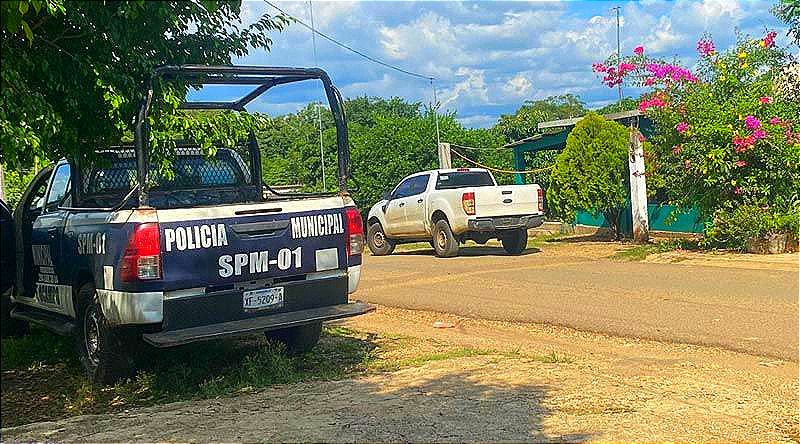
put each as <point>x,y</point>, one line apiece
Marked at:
<point>489,57</point>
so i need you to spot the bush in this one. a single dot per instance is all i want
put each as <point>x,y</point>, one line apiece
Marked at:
<point>727,137</point>
<point>747,223</point>
<point>591,172</point>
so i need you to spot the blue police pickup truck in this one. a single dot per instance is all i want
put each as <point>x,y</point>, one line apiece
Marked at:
<point>116,254</point>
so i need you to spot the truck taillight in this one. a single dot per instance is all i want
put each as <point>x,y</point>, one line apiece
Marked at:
<point>468,203</point>
<point>540,198</point>
<point>142,258</point>
<point>355,232</point>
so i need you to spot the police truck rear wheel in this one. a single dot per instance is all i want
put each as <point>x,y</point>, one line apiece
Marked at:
<point>378,243</point>
<point>298,340</point>
<point>101,349</point>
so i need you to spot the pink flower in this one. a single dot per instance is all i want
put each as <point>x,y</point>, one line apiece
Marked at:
<point>676,150</point>
<point>599,67</point>
<point>769,40</point>
<point>655,102</point>
<point>639,50</point>
<point>759,134</point>
<point>775,121</point>
<point>740,163</point>
<point>752,123</point>
<point>737,190</point>
<point>682,127</point>
<point>743,143</point>
<point>765,100</point>
<point>706,47</point>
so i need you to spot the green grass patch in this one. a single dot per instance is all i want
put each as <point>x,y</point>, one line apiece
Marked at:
<point>640,252</point>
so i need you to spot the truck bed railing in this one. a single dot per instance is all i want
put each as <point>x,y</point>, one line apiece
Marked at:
<point>264,78</point>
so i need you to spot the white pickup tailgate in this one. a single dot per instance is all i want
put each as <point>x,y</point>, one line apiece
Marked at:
<point>506,200</point>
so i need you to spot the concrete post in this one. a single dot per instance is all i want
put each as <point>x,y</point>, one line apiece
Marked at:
<point>641,224</point>
<point>444,156</point>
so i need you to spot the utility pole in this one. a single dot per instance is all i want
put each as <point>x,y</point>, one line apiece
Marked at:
<point>619,54</point>
<point>319,112</point>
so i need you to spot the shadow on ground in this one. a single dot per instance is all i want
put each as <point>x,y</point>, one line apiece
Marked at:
<point>480,250</point>
<point>438,403</point>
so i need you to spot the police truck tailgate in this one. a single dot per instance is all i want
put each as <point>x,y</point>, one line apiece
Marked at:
<point>223,245</point>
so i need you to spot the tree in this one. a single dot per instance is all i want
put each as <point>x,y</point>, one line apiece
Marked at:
<point>788,11</point>
<point>523,123</point>
<point>591,172</point>
<point>73,72</point>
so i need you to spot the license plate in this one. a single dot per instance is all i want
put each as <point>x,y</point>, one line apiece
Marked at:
<point>262,298</point>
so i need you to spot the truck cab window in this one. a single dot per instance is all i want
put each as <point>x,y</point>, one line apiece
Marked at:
<point>59,186</point>
<point>404,189</point>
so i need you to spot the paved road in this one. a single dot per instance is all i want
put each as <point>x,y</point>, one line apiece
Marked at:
<point>753,311</point>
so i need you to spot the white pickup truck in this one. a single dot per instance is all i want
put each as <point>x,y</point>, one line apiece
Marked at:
<point>450,206</point>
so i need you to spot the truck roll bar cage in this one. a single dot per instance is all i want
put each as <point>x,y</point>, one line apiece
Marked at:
<point>264,78</point>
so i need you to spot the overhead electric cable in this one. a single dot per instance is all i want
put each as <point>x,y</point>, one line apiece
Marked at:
<point>498,170</point>
<point>349,48</point>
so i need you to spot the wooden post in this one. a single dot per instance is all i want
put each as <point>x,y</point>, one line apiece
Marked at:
<point>641,228</point>
<point>444,156</point>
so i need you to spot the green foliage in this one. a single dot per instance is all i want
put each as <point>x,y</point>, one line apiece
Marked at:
<point>741,142</point>
<point>734,228</point>
<point>591,172</point>
<point>627,104</point>
<point>523,123</point>
<point>788,11</point>
<point>389,139</point>
<point>73,73</point>
<point>16,182</point>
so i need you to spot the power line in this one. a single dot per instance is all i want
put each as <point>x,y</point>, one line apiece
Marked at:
<point>349,48</point>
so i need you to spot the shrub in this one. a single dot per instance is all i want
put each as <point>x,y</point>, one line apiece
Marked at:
<point>591,172</point>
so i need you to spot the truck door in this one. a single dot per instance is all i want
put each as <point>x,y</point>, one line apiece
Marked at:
<point>415,216</point>
<point>51,289</point>
<point>395,209</point>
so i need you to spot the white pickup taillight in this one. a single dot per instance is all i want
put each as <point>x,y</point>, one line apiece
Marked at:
<point>355,232</point>
<point>540,198</point>
<point>468,203</point>
<point>141,260</point>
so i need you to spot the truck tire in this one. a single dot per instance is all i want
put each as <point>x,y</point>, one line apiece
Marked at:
<point>298,340</point>
<point>445,243</point>
<point>378,243</point>
<point>8,325</point>
<point>103,352</point>
<point>515,241</point>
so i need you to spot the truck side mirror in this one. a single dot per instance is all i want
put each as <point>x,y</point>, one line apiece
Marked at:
<point>386,196</point>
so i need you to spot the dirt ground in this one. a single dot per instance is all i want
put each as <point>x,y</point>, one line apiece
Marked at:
<point>539,383</point>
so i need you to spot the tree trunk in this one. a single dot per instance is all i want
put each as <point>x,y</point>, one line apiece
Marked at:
<point>613,217</point>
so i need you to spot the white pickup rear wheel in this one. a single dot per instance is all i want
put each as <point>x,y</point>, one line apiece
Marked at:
<point>445,243</point>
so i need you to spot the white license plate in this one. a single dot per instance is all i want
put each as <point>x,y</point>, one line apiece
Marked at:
<point>262,298</point>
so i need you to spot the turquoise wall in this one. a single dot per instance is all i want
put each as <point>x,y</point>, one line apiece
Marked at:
<point>688,222</point>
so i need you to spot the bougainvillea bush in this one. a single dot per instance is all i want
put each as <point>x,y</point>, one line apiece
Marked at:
<point>727,135</point>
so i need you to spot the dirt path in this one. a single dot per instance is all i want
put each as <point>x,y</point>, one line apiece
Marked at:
<point>740,302</point>
<point>538,383</point>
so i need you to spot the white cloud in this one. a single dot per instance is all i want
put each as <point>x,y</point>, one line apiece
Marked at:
<point>487,57</point>
<point>518,86</point>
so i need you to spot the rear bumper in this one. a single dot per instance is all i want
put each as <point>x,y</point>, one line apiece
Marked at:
<point>505,222</point>
<point>264,323</point>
